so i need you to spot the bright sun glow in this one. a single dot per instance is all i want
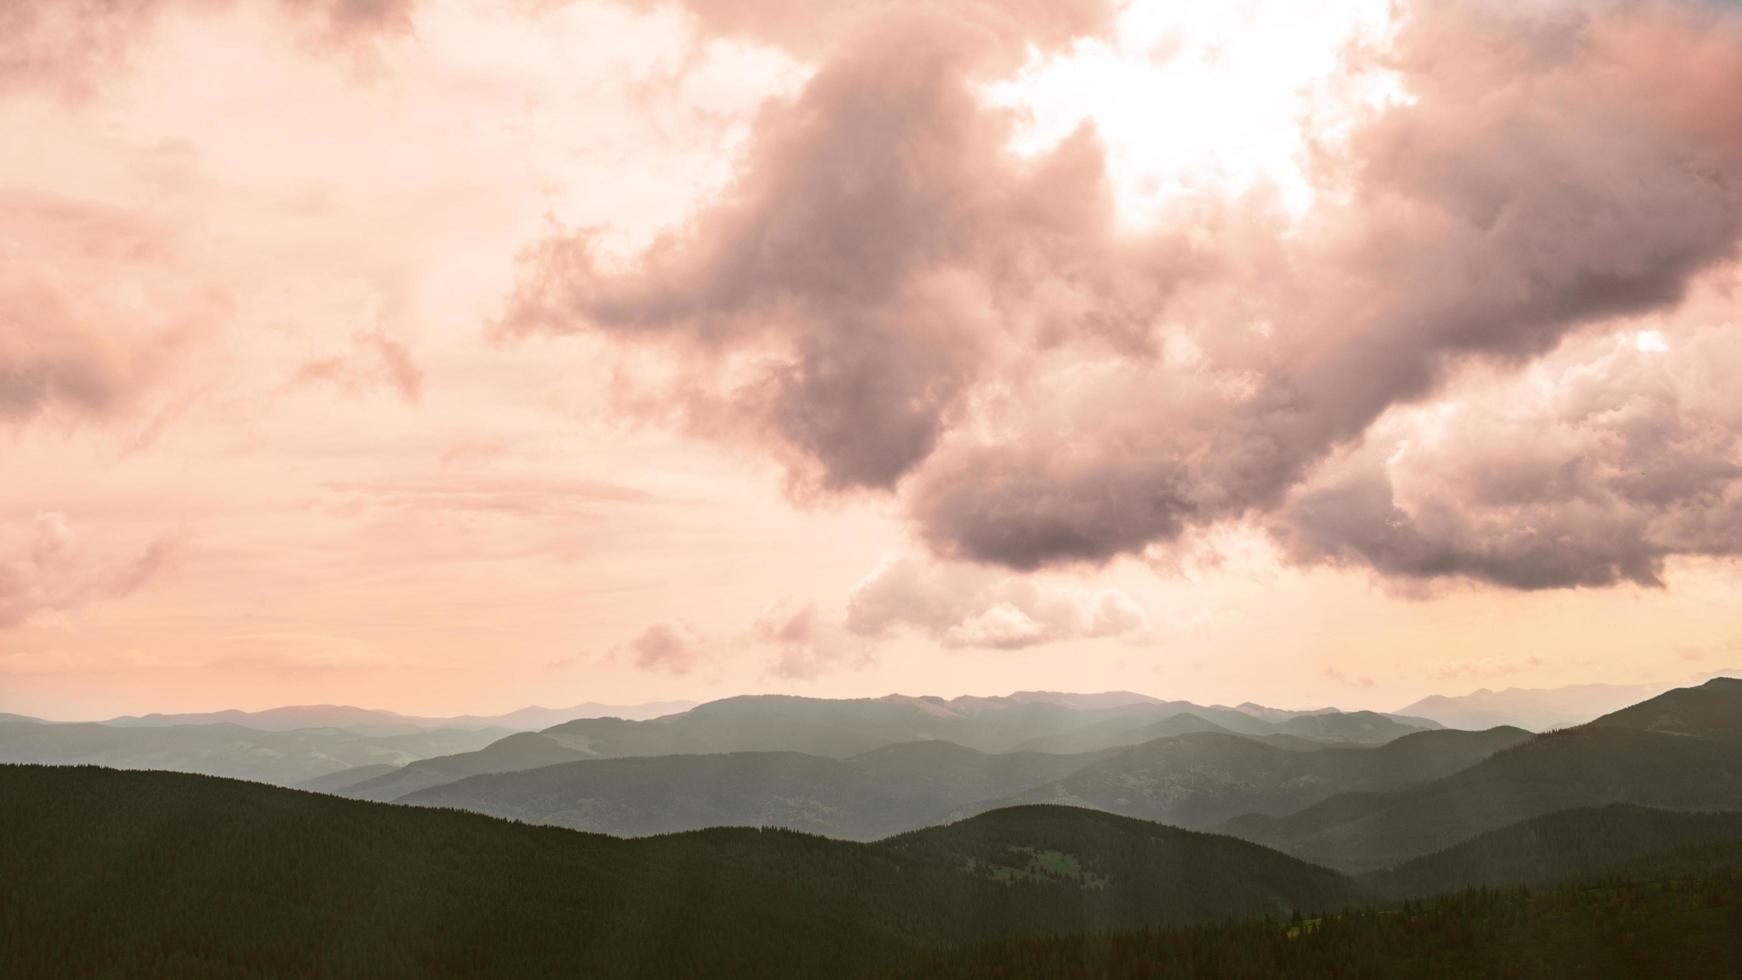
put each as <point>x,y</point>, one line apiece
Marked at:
<point>1650,342</point>
<point>1208,98</point>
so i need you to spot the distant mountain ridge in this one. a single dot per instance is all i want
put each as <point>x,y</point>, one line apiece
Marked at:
<point>284,758</point>
<point>1537,709</point>
<point>378,722</point>
<point>1677,751</point>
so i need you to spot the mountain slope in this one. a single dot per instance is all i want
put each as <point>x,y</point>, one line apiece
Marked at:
<point>1569,844</point>
<point>173,875</point>
<point>1582,767</point>
<point>522,750</point>
<point>1536,709</point>
<point>1128,867</point>
<point>282,758</point>
<point>1711,710</point>
<point>1201,779</point>
<point>1686,927</point>
<point>886,791</point>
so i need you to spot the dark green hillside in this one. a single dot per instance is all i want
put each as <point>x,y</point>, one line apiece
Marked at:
<point>1581,767</point>
<point>1128,868</point>
<point>883,792</point>
<point>1712,710</point>
<point>1688,927</point>
<point>1570,844</point>
<point>1199,780</point>
<point>116,873</point>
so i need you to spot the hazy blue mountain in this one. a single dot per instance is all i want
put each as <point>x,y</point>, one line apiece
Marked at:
<point>285,758</point>
<point>208,877</point>
<point>850,727</point>
<point>375,722</point>
<point>1201,779</point>
<point>521,750</point>
<point>1194,780</point>
<point>1119,733</point>
<point>1579,843</point>
<point>1692,766</point>
<point>864,797</point>
<point>1536,709</point>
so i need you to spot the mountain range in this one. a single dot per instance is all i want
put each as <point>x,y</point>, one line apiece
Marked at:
<point>371,721</point>
<point>283,758</point>
<point>150,873</point>
<point>1679,751</point>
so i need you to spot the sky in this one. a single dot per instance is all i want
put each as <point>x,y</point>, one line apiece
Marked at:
<point>454,355</point>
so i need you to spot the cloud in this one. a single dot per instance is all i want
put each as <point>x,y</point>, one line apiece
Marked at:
<point>375,359</point>
<point>93,305</point>
<point>1592,468</point>
<point>51,571</point>
<point>807,645</point>
<point>856,281</point>
<point>670,648</point>
<point>887,299</point>
<point>813,28</point>
<point>71,45</point>
<point>963,606</point>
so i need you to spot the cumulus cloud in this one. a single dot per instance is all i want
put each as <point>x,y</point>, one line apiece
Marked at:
<point>964,606</point>
<point>806,644</point>
<point>887,298</point>
<point>1592,468</point>
<point>862,274</point>
<point>50,570</point>
<point>669,648</point>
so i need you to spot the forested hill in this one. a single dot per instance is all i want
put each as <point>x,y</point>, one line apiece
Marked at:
<point>118,873</point>
<point>1686,927</point>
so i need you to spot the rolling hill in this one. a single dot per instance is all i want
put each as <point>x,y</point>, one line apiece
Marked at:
<point>1193,780</point>
<point>864,797</point>
<point>282,758</point>
<point>1028,721</point>
<point>140,873</point>
<point>1711,710</point>
<point>1571,844</point>
<point>1687,926</point>
<point>1624,758</point>
<point>1201,779</point>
